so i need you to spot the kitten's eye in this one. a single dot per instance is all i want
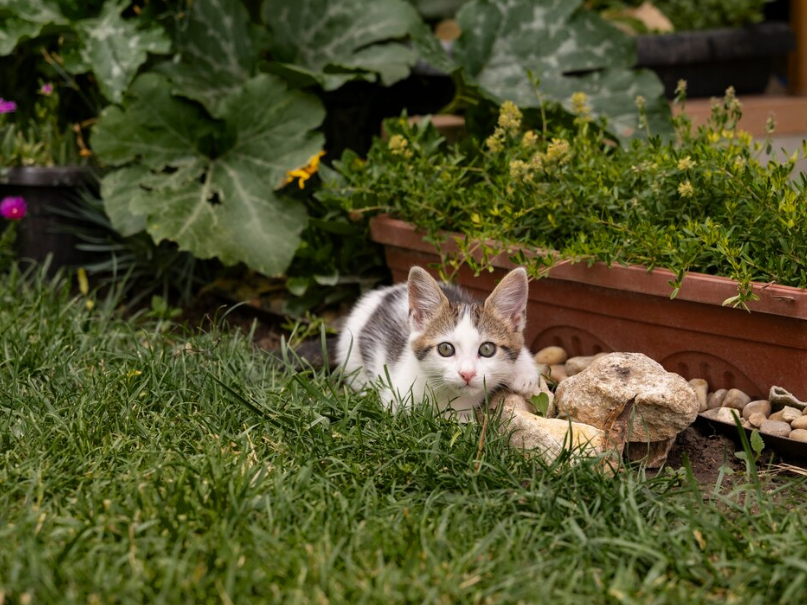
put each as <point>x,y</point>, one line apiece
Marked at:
<point>487,349</point>
<point>446,349</point>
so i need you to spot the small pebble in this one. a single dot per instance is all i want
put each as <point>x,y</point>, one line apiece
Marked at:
<point>777,428</point>
<point>722,414</point>
<point>701,388</point>
<point>762,406</point>
<point>798,435</point>
<point>558,372</point>
<point>575,365</point>
<point>715,400</point>
<point>551,356</point>
<point>735,399</point>
<point>799,423</point>
<point>787,413</point>
<point>756,419</point>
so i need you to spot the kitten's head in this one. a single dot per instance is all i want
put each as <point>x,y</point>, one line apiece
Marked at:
<point>463,346</point>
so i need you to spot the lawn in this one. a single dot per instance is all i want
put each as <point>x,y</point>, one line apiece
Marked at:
<point>142,462</point>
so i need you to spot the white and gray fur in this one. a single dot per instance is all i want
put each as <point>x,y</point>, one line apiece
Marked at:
<point>399,330</point>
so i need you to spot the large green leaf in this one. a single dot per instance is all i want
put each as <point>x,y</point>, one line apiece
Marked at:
<point>209,185</point>
<point>503,41</point>
<point>216,54</point>
<point>335,41</point>
<point>116,48</point>
<point>24,19</point>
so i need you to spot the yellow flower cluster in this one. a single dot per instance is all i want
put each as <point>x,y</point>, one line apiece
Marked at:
<point>520,171</point>
<point>686,163</point>
<point>398,145</point>
<point>529,139</point>
<point>685,189</point>
<point>510,118</point>
<point>580,106</point>
<point>509,124</point>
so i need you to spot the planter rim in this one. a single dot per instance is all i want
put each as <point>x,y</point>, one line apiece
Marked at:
<point>696,287</point>
<point>692,47</point>
<point>46,176</point>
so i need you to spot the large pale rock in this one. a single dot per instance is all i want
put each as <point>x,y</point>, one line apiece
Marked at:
<point>799,423</point>
<point>629,387</point>
<point>548,437</point>
<point>777,428</point>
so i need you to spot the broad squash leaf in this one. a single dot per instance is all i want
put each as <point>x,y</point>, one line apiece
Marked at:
<point>503,41</point>
<point>216,53</point>
<point>116,48</point>
<point>24,19</point>
<point>209,185</point>
<point>335,41</point>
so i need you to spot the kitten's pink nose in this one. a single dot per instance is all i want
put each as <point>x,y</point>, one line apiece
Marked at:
<point>468,376</point>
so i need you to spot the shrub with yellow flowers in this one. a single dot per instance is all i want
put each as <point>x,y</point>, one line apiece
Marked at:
<point>702,201</point>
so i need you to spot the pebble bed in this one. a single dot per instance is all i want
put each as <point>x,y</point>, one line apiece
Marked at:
<point>781,415</point>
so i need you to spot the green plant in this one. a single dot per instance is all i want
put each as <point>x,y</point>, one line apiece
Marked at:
<point>40,140</point>
<point>703,202</point>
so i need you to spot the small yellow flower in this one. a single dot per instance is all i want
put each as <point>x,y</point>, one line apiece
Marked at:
<point>686,163</point>
<point>494,142</point>
<point>304,173</point>
<point>686,189</point>
<point>557,151</point>
<point>398,144</point>
<point>520,171</point>
<point>510,118</point>
<point>713,137</point>
<point>529,139</point>
<point>745,137</point>
<point>681,87</point>
<point>727,134</point>
<point>580,104</point>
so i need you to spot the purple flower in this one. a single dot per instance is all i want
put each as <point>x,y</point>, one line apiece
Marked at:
<point>7,106</point>
<point>47,89</point>
<point>13,208</point>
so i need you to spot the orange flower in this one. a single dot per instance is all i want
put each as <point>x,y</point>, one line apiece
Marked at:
<point>304,173</point>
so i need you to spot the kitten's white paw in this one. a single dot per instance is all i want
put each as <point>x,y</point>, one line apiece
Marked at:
<point>525,383</point>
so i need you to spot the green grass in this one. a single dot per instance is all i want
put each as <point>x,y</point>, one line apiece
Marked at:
<point>129,474</point>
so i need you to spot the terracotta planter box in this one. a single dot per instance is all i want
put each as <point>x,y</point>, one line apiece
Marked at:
<point>587,310</point>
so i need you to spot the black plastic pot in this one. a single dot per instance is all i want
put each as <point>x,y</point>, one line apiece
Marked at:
<point>710,61</point>
<point>48,193</point>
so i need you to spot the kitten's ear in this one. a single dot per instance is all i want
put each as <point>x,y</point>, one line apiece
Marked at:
<point>509,298</point>
<point>425,297</point>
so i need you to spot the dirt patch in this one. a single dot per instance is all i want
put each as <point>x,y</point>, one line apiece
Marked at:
<point>706,451</point>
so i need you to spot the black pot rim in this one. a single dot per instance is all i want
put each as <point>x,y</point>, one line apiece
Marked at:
<point>46,176</point>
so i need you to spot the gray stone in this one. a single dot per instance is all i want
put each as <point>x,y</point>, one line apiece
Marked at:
<point>777,428</point>
<point>787,414</point>
<point>736,399</point>
<point>763,406</point>
<point>551,356</point>
<point>799,423</point>
<point>633,389</point>
<point>798,435</point>
<point>756,419</point>
<point>781,396</point>
<point>701,388</point>
<point>715,400</point>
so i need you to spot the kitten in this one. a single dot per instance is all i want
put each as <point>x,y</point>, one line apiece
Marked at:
<point>435,340</point>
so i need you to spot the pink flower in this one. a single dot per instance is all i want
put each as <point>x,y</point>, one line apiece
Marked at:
<point>13,208</point>
<point>7,106</point>
<point>47,89</point>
